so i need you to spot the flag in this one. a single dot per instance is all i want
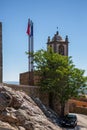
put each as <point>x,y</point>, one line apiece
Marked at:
<point>28,28</point>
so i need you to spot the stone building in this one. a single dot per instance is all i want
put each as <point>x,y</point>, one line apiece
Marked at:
<point>1,64</point>
<point>58,44</point>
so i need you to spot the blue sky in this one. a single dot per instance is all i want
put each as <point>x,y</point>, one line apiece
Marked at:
<point>70,16</point>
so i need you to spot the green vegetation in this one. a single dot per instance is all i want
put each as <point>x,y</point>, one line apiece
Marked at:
<point>59,76</point>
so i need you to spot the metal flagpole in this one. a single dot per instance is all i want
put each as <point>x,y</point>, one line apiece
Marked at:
<point>28,32</point>
<point>32,47</point>
<point>32,53</point>
<point>29,62</point>
<point>30,50</point>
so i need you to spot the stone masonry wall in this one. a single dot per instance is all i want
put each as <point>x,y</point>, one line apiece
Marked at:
<point>73,108</point>
<point>33,91</point>
<point>76,109</point>
<point>1,65</point>
<point>26,78</point>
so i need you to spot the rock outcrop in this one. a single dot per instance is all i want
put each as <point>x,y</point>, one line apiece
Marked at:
<point>18,111</point>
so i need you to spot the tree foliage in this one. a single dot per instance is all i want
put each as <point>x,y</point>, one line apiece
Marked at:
<point>59,75</point>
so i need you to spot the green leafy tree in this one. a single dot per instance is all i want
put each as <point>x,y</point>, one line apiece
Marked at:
<point>58,75</point>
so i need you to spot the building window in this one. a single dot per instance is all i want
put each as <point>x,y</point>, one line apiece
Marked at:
<point>61,49</point>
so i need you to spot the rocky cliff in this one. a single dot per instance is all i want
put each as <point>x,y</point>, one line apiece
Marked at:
<point>18,111</point>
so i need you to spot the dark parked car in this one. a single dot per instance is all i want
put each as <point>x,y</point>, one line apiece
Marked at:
<point>69,120</point>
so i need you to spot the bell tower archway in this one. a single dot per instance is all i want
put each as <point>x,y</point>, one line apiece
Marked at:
<point>58,45</point>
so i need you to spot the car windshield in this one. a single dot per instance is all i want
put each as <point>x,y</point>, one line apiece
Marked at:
<point>70,117</point>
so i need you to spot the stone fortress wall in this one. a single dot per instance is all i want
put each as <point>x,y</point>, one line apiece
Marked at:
<point>1,62</point>
<point>33,91</point>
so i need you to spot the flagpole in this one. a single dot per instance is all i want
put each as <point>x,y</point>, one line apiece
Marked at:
<point>28,32</point>
<point>32,53</point>
<point>32,48</point>
<point>29,52</point>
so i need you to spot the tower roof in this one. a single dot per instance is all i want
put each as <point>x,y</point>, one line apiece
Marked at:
<point>57,37</point>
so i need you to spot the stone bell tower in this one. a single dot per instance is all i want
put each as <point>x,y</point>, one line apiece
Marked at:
<point>1,65</point>
<point>58,44</point>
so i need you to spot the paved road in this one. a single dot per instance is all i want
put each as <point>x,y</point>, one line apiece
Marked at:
<point>81,124</point>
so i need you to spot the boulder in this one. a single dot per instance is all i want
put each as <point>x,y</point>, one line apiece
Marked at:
<point>18,111</point>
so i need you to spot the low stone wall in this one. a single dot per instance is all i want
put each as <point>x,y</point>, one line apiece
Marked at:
<point>81,110</point>
<point>32,91</point>
<point>77,109</point>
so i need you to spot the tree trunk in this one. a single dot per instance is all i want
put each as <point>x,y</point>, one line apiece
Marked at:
<point>62,109</point>
<point>51,100</point>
